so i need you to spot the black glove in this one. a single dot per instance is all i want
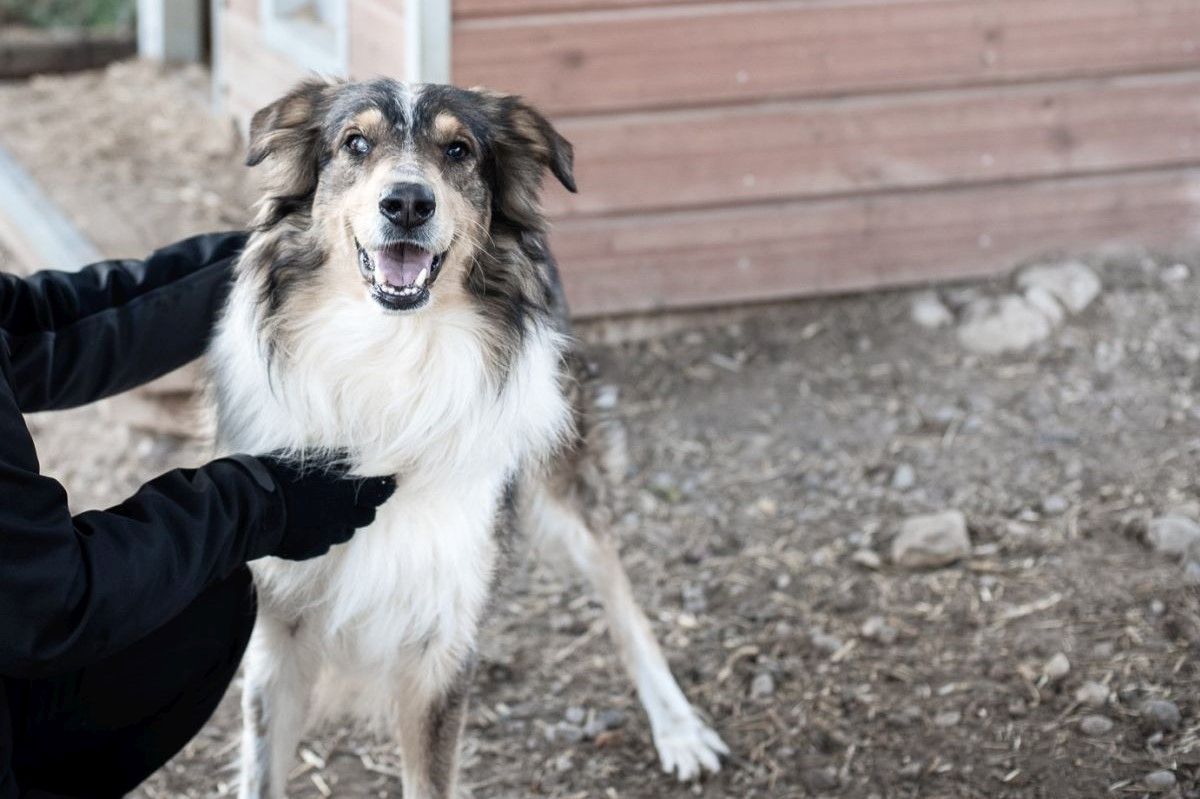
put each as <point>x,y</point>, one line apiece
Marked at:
<point>322,506</point>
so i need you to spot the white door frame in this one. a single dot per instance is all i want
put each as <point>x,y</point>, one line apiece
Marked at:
<point>427,41</point>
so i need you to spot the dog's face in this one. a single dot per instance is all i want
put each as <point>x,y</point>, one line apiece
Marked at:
<point>406,184</point>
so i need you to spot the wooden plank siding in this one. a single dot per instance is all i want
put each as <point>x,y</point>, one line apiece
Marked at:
<point>741,151</point>
<point>772,251</point>
<point>722,156</point>
<point>671,56</point>
<point>474,9</point>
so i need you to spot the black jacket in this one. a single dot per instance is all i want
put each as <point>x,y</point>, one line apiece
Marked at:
<point>74,589</point>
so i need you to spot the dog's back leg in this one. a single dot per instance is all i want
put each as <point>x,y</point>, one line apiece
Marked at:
<point>685,743</point>
<point>279,678</point>
<point>428,726</point>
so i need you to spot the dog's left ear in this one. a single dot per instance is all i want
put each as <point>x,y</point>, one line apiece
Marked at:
<point>288,131</point>
<point>526,145</point>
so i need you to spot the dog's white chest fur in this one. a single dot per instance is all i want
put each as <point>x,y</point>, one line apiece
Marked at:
<point>413,396</point>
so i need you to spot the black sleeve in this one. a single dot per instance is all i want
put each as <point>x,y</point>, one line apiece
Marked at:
<point>75,589</point>
<point>76,337</point>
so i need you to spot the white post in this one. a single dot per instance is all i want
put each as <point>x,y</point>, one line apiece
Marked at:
<point>427,41</point>
<point>170,30</point>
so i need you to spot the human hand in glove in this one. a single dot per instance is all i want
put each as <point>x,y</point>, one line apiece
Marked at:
<point>322,504</point>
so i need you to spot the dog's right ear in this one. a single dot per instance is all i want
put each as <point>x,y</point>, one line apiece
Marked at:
<point>290,130</point>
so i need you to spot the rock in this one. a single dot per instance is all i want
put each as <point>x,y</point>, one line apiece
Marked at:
<point>1073,283</point>
<point>825,642</point>
<point>1176,273</point>
<point>1191,572</point>
<point>947,718</point>
<point>904,477</point>
<point>1045,304</point>
<point>1161,780</point>
<point>1057,667</point>
<point>606,397</point>
<point>905,716</point>
<point>876,628</point>
<point>1095,726</point>
<point>565,732</point>
<point>1007,324</point>
<point>1055,505</point>
<point>1092,694</point>
<point>575,715</point>
<point>604,722</point>
<point>1159,715</point>
<point>929,312</point>
<point>820,780</point>
<point>1173,535</point>
<point>930,541</point>
<point>762,686</point>
<point>694,600</point>
<point>868,559</point>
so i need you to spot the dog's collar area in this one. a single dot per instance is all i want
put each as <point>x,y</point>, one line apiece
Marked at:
<point>404,281</point>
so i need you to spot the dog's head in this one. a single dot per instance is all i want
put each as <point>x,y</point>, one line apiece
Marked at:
<point>405,184</point>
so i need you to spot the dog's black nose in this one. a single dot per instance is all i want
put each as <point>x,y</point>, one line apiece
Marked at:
<point>408,205</point>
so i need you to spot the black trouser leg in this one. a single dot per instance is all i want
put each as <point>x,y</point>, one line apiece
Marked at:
<point>103,730</point>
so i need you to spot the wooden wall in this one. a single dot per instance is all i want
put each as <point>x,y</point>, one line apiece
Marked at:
<point>733,151</point>
<point>750,150</point>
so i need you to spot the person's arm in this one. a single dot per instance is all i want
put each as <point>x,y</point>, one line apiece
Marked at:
<point>76,337</point>
<point>75,589</point>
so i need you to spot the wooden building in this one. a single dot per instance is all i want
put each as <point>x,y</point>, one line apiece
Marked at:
<point>740,151</point>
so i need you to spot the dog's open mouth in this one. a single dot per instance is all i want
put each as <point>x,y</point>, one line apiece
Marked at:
<point>400,275</point>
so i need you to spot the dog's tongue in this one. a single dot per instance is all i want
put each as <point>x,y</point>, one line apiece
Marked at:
<point>400,266</point>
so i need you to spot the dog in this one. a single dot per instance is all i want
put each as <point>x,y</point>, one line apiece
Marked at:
<point>396,306</point>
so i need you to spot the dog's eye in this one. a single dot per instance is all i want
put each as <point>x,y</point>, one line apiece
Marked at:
<point>457,150</point>
<point>357,144</point>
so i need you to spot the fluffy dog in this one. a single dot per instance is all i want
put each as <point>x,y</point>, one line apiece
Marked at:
<point>397,305</point>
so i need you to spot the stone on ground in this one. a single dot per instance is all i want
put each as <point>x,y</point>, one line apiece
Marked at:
<point>1092,694</point>
<point>930,312</point>
<point>1005,324</point>
<point>1045,303</point>
<point>930,541</point>
<point>1174,535</point>
<point>1095,726</point>
<point>1159,715</point>
<point>1161,780</point>
<point>1072,283</point>
<point>1057,667</point>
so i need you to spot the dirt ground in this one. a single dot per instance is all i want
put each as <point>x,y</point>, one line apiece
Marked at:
<point>767,451</point>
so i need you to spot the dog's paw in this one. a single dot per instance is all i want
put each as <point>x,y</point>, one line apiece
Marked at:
<point>686,746</point>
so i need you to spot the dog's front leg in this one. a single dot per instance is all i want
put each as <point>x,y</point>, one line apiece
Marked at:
<point>278,682</point>
<point>429,727</point>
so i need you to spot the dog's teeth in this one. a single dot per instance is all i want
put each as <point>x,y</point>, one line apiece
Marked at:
<point>420,281</point>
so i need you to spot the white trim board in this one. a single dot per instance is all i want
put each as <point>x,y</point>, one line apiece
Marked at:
<point>427,41</point>
<point>34,227</point>
<point>170,30</point>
